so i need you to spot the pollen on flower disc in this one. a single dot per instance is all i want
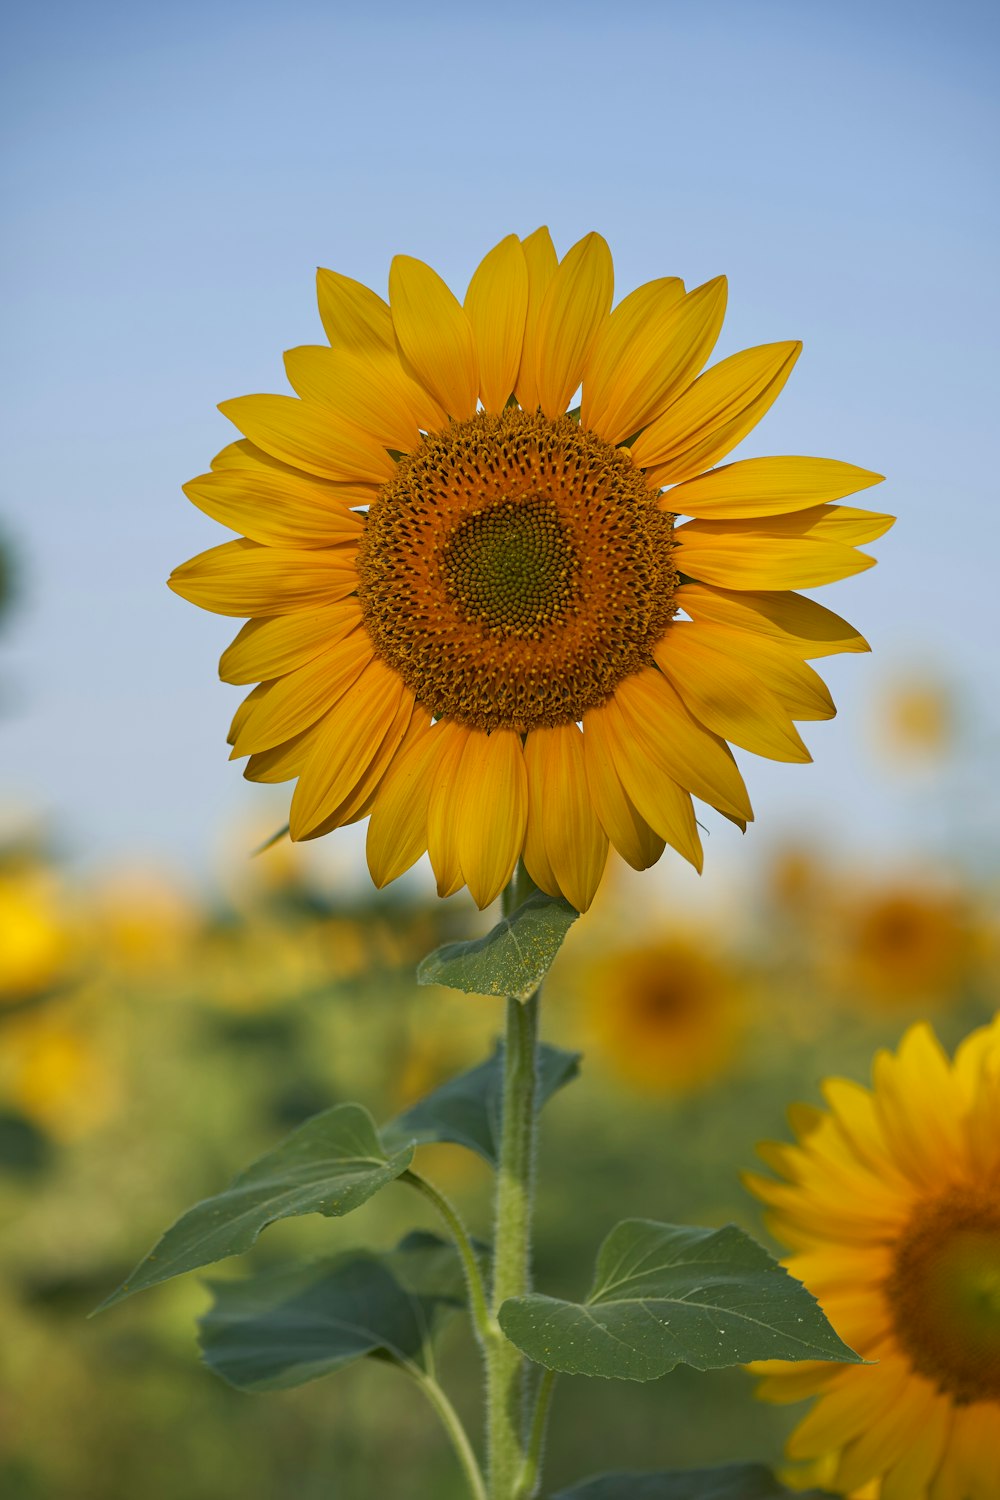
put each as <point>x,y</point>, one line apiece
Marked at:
<point>515,570</point>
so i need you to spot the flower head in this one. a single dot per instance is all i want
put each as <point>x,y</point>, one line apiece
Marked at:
<point>891,1204</point>
<point>474,614</point>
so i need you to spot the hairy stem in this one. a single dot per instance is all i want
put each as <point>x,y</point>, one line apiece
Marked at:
<point>470,1265</point>
<point>452,1424</point>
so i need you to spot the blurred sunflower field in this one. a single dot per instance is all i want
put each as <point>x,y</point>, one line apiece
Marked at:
<point>154,1038</point>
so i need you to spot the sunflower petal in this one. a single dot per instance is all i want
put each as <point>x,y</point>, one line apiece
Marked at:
<point>660,802</point>
<point>745,554</point>
<point>688,753</point>
<point>721,691</point>
<point>576,303</point>
<point>808,628</point>
<point>397,831</point>
<point>802,692</point>
<point>307,436</point>
<point>243,578</point>
<point>442,826</point>
<point>769,487</point>
<point>576,846</point>
<point>708,419</point>
<point>613,349</point>
<point>368,394</point>
<point>665,354</point>
<point>271,647</point>
<point>628,831</point>
<point>353,316</point>
<point>283,762</point>
<point>434,335</point>
<point>496,305</point>
<point>490,809</point>
<point>541,260</point>
<point>298,699</point>
<point>343,751</point>
<point>280,510</point>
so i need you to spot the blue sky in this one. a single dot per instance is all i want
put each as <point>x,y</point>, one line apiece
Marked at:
<point>174,174</point>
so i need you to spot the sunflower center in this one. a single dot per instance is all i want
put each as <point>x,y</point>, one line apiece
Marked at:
<point>515,569</point>
<point>944,1293</point>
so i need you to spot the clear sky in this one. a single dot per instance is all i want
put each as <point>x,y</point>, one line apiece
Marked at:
<point>174,173</point>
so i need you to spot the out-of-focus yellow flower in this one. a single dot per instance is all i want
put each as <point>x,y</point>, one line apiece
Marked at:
<point>141,923</point>
<point>904,943</point>
<point>38,938</point>
<point>916,721</point>
<point>54,1070</point>
<point>891,1204</point>
<point>665,1017</point>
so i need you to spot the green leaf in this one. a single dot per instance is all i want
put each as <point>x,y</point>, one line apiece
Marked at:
<point>466,1110</point>
<point>730,1482</point>
<point>665,1295</point>
<point>330,1165</point>
<point>286,1326</point>
<point>513,959</point>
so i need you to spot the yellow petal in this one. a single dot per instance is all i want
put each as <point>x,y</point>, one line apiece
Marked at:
<point>801,692</point>
<point>309,437</point>
<point>371,395</point>
<point>357,796</point>
<point>662,804</point>
<point>707,420</point>
<point>576,846</point>
<point>723,692</point>
<point>349,742</point>
<point>243,578</point>
<point>280,510</point>
<point>353,316</point>
<point>271,647</point>
<point>613,349</point>
<point>767,487</point>
<point>688,753</point>
<point>496,305</point>
<point>397,831</point>
<point>847,1410</point>
<point>301,697</point>
<point>752,558</point>
<point>435,335</point>
<point>541,260</point>
<point>244,711</point>
<point>663,357</point>
<point>283,762</point>
<point>490,809</point>
<point>536,859</point>
<point>626,828</point>
<point>442,826</point>
<point>576,303</point>
<point>790,620</point>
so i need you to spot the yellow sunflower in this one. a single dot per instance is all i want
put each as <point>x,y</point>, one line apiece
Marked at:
<point>473,614</point>
<point>891,1205</point>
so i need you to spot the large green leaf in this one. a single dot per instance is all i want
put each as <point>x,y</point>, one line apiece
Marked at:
<point>466,1110</point>
<point>731,1482</point>
<point>284,1327</point>
<point>330,1165</point>
<point>513,959</point>
<point>665,1295</point>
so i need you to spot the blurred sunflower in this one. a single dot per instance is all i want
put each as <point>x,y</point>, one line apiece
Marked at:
<point>448,574</point>
<point>38,937</point>
<point>902,943</point>
<point>891,1204</point>
<point>55,1070</point>
<point>664,1016</point>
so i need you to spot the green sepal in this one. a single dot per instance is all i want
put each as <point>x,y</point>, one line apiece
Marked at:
<point>287,1326</point>
<point>329,1165</point>
<point>512,959</point>
<point>665,1295</point>
<point>730,1482</point>
<point>466,1110</point>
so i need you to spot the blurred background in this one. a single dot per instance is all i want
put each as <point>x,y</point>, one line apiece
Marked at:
<point>169,1003</point>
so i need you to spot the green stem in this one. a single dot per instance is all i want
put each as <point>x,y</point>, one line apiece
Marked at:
<point>452,1424</point>
<point>470,1265</point>
<point>506,1366</point>
<point>527,1484</point>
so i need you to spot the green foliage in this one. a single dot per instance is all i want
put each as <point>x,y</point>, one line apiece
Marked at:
<point>466,1109</point>
<point>513,959</point>
<point>664,1295</point>
<point>330,1165</point>
<point>731,1482</point>
<point>287,1326</point>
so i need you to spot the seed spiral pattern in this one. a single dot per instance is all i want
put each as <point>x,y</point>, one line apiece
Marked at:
<point>515,570</point>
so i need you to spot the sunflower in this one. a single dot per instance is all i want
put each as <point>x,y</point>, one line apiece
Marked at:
<point>904,942</point>
<point>891,1205</point>
<point>665,1015</point>
<point>473,613</point>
